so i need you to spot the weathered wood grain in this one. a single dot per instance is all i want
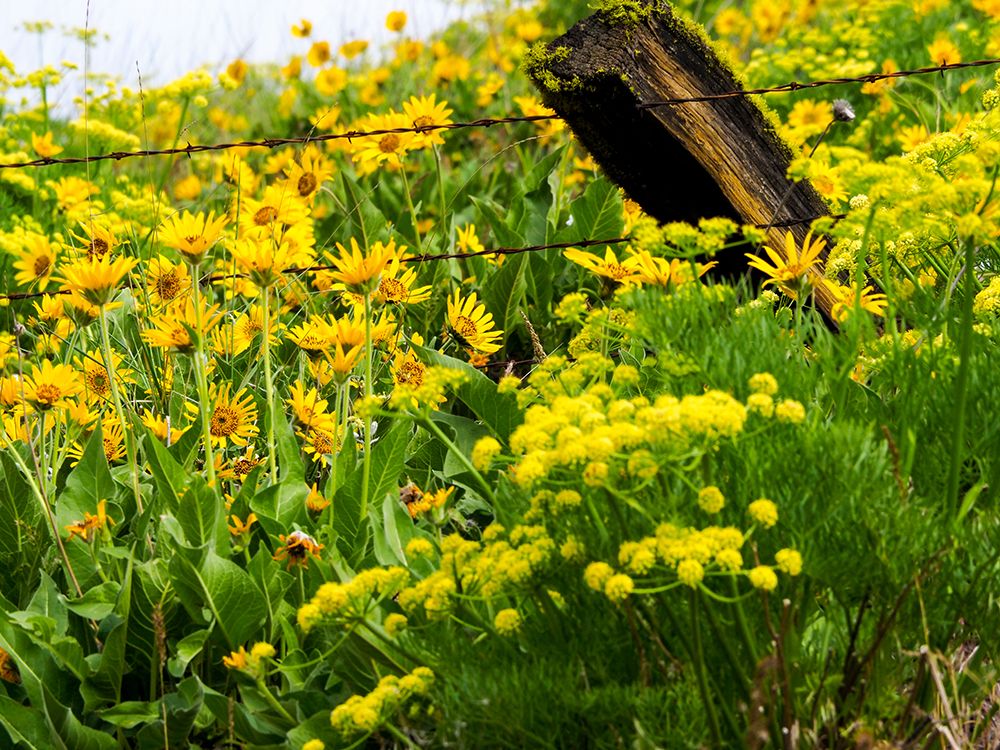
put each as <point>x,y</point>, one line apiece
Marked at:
<point>682,162</point>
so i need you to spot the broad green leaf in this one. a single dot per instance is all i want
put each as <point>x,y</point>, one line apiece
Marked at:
<point>20,515</point>
<point>366,220</point>
<point>169,474</point>
<point>597,214</point>
<point>529,215</point>
<point>131,714</point>
<point>40,677</point>
<point>388,456</point>
<point>281,506</point>
<point>90,481</point>
<point>24,724</point>
<point>497,411</point>
<point>201,514</point>
<point>272,581</point>
<point>316,727</point>
<point>289,452</point>
<point>104,685</point>
<point>505,292</point>
<point>252,727</point>
<point>181,709</point>
<point>97,602</point>
<point>187,446</point>
<point>397,530</point>
<point>494,216</point>
<point>187,648</point>
<point>221,589</point>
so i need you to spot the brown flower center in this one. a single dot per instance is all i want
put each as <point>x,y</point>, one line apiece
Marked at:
<point>98,249</point>
<point>112,450</point>
<point>322,443</point>
<point>243,466</point>
<point>168,285</point>
<point>97,380</point>
<point>466,327</point>
<point>265,215</point>
<point>307,184</point>
<point>225,421</point>
<point>388,143</point>
<point>47,393</point>
<point>423,121</point>
<point>410,373</point>
<point>42,265</point>
<point>393,290</point>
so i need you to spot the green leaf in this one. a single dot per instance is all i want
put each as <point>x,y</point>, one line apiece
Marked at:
<point>200,513</point>
<point>20,516</point>
<point>250,726</point>
<point>272,581</point>
<point>222,588</point>
<point>289,453</point>
<point>494,216</point>
<point>97,602</point>
<point>169,474</point>
<point>131,714</point>
<point>40,676</point>
<point>104,685</point>
<point>281,506</point>
<point>90,481</point>
<point>365,218</point>
<point>397,531</point>
<point>497,411</point>
<point>186,448</point>
<point>597,214</point>
<point>24,724</point>
<point>388,457</point>
<point>505,292</point>
<point>187,648</point>
<point>181,709</point>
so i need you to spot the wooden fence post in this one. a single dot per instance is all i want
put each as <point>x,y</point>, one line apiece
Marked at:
<point>681,162</point>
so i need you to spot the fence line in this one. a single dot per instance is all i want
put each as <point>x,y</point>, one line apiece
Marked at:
<point>485,122</point>
<point>425,258</point>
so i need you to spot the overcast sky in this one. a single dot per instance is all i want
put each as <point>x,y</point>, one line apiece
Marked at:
<point>170,37</point>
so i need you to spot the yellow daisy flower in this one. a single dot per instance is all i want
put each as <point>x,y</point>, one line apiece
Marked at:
<point>49,386</point>
<point>36,260</point>
<point>192,234</point>
<point>794,272</point>
<point>470,325</point>
<point>96,280</point>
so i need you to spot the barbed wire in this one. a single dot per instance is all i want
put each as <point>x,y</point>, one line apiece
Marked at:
<point>797,86</point>
<point>425,258</point>
<point>485,122</point>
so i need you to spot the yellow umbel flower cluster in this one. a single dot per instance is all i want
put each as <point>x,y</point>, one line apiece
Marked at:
<point>366,713</point>
<point>499,564</point>
<point>595,431</point>
<point>353,599</point>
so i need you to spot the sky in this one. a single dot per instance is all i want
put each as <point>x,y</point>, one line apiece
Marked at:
<point>170,37</point>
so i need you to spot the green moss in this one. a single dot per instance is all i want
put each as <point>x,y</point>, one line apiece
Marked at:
<point>537,65</point>
<point>623,12</point>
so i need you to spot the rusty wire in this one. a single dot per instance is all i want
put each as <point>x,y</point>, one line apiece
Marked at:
<point>485,122</point>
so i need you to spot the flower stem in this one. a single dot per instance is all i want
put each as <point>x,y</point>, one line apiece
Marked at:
<point>272,461</point>
<point>413,211</point>
<point>962,380</point>
<point>202,382</point>
<point>109,368</point>
<point>273,702</point>
<point>699,665</point>
<point>428,423</point>
<point>366,466</point>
